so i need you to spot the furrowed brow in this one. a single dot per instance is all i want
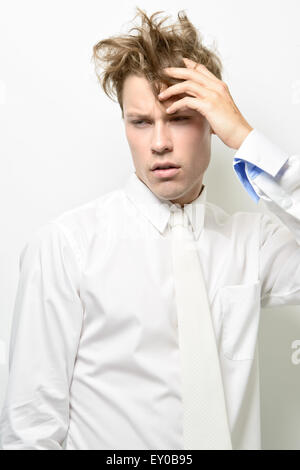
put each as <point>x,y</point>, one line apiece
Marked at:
<point>145,116</point>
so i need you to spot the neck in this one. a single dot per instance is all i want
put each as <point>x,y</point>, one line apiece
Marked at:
<point>182,202</point>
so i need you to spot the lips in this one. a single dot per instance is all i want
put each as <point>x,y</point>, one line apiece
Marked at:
<point>164,166</point>
<point>166,172</point>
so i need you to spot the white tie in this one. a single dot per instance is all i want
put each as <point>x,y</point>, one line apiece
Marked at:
<point>205,421</point>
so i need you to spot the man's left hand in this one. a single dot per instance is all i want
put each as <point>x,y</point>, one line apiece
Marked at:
<point>210,97</point>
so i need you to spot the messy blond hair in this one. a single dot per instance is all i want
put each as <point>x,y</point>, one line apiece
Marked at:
<point>147,53</point>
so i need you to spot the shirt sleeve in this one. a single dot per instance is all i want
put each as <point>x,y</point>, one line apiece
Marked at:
<point>45,333</point>
<point>270,174</point>
<point>255,156</point>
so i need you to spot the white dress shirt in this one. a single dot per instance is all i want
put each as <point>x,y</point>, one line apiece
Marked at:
<point>94,359</point>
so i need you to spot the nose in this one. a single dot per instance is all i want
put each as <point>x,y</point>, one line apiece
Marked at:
<point>160,141</point>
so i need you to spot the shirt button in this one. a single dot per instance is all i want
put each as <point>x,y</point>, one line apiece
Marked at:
<point>286,203</point>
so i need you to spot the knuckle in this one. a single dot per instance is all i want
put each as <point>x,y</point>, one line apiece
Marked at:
<point>190,85</point>
<point>223,86</point>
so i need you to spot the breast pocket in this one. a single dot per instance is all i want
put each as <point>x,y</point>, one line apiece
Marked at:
<point>240,305</point>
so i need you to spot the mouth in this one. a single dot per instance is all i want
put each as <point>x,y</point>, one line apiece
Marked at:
<point>165,170</point>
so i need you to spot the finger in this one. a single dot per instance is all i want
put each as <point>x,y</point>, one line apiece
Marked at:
<point>199,68</point>
<point>197,104</point>
<point>196,76</point>
<point>187,86</point>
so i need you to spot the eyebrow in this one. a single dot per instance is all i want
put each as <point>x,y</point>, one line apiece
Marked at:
<point>145,116</point>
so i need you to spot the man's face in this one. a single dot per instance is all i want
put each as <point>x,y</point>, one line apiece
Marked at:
<point>183,139</point>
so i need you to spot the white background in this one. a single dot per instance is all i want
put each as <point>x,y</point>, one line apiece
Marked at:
<point>62,140</point>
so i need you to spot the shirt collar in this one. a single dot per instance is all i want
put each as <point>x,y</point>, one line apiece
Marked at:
<point>158,211</point>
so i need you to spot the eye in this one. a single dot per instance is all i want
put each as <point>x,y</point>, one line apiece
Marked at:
<point>177,118</point>
<point>137,122</point>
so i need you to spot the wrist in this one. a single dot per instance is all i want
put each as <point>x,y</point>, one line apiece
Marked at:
<point>243,132</point>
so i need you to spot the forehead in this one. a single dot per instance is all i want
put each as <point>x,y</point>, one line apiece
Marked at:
<point>135,83</point>
<point>138,95</point>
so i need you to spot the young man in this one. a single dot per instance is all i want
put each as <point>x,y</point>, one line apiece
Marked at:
<point>95,348</point>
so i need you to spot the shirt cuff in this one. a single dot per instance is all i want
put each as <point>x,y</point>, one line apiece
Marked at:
<point>257,154</point>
